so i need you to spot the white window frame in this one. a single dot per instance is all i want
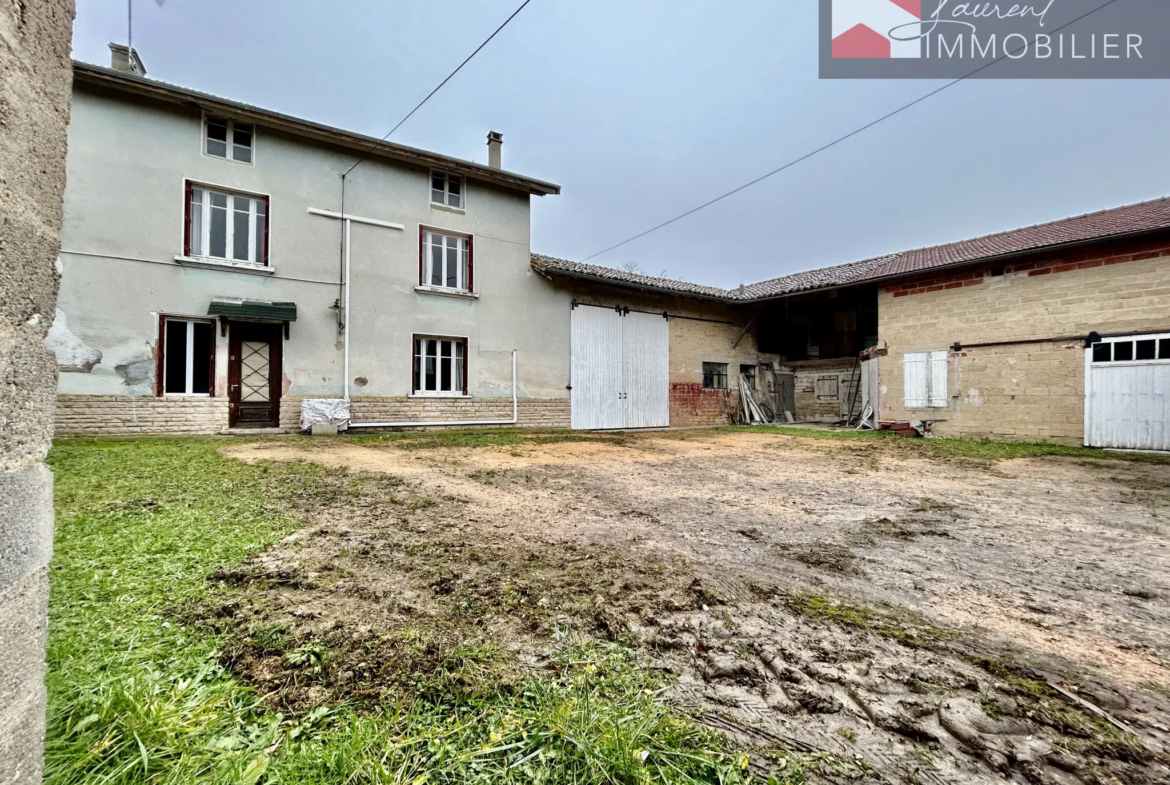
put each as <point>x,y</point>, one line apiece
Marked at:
<point>231,130</point>
<point>1157,338</point>
<point>925,382</point>
<point>256,256</point>
<point>446,202</point>
<point>463,365</point>
<point>189,377</point>
<point>463,265</point>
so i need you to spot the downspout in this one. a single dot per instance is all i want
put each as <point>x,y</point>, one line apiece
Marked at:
<point>345,307</point>
<point>434,423</point>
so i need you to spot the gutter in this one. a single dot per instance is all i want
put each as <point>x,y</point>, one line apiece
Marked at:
<point>457,423</point>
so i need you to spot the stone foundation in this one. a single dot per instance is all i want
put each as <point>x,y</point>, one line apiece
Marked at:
<point>126,415</point>
<point>129,415</point>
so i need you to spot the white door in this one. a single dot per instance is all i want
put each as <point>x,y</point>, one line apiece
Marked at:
<point>620,369</point>
<point>1127,393</point>
<point>597,358</point>
<point>646,370</point>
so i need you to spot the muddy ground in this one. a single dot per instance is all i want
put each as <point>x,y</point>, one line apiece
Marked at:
<point>925,620</point>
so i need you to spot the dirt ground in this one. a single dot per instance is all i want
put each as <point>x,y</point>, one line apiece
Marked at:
<point>932,621</point>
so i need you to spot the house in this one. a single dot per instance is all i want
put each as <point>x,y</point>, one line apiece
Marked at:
<point>204,272</point>
<point>1058,332</point>
<point>214,277</point>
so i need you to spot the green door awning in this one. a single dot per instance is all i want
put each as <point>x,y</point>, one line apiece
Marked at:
<point>253,309</point>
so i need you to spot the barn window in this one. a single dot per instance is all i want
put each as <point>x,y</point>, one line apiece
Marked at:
<point>828,388</point>
<point>714,376</point>
<point>924,380</point>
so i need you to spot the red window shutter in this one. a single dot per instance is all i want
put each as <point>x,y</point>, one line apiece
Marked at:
<point>161,348</point>
<point>465,364</point>
<point>268,228</point>
<point>187,218</point>
<point>470,277</point>
<point>415,361</point>
<point>211,368</point>
<point>421,236</point>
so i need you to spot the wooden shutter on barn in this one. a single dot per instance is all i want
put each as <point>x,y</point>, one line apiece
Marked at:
<point>937,392</point>
<point>914,370</point>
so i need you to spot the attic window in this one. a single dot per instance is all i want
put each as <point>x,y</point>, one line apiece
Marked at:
<point>228,139</point>
<point>447,190</point>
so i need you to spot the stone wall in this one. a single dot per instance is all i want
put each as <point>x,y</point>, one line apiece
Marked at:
<point>35,82</point>
<point>132,415</point>
<point>822,388</point>
<point>1032,390</point>
<point>534,412</point>
<point>127,415</point>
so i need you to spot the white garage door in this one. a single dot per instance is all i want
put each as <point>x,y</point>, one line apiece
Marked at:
<point>1127,393</point>
<point>620,369</point>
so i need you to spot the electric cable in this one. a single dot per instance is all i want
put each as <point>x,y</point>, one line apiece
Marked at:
<point>835,142</point>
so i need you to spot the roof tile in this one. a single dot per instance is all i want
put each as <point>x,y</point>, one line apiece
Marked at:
<point>1131,219</point>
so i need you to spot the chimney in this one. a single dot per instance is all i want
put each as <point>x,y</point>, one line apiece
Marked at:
<point>126,60</point>
<point>495,149</point>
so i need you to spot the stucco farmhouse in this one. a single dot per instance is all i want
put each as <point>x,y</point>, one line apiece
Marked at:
<point>212,280</point>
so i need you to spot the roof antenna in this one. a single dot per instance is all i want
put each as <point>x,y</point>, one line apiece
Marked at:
<point>130,22</point>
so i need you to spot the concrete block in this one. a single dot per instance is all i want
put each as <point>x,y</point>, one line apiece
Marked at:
<point>26,522</point>
<point>23,635</point>
<point>22,736</point>
<point>324,429</point>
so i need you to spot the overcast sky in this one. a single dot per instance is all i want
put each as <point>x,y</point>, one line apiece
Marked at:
<point>642,109</point>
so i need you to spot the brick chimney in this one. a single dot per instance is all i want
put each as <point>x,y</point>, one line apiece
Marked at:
<point>495,149</point>
<point>126,60</point>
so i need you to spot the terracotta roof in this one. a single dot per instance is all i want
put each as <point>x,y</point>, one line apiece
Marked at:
<point>592,272</point>
<point>96,75</point>
<point>1121,221</point>
<point>1131,219</point>
<point>837,275</point>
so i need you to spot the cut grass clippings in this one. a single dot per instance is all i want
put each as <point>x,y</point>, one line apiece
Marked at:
<point>138,697</point>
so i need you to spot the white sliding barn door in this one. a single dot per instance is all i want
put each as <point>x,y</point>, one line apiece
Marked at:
<point>1127,393</point>
<point>597,358</point>
<point>620,369</point>
<point>646,339</point>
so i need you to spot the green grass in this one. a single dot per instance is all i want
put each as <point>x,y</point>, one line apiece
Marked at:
<point>952,448</point>
<point>138,697</point>
<point>485,437</point>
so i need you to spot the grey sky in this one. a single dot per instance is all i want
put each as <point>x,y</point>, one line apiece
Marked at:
<point>642,109</point>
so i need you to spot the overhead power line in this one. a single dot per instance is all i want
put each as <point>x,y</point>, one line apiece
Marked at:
<point>486,41</point>
<point>342,319</point>
<point>833,143</point>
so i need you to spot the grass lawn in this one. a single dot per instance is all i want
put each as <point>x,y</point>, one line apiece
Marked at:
<point>137,696</point>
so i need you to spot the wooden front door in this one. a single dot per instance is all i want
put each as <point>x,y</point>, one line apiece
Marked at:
<point>254,374</point>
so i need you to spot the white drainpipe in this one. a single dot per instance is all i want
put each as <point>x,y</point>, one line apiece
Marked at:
<point>349,219</point>
<point>515,414</point>
<point>345,306</point>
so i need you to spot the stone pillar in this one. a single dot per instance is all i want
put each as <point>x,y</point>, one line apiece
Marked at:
<point>35,83</point>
